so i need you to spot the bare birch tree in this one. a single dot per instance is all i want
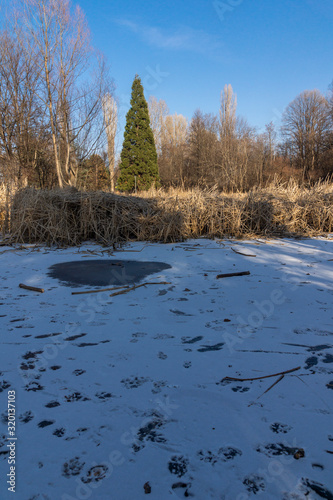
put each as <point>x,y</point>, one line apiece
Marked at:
<point>111,121</point>
<point>59,40</point>
<point>158,111</point>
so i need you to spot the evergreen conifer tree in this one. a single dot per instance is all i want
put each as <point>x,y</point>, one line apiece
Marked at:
<point>138,166</point>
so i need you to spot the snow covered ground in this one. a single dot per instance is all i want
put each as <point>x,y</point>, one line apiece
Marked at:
<point>112,393</point>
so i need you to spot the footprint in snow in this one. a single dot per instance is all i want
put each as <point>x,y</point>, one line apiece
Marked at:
<point>4,384</point>
<point>78,372</point>
<point>73,467</point>
<point>178,465</point>
<point>33,386</point>
<point>134,382</point>
<point>103,395</point>
<point>254,483</point>
<point>95,474</point>
<point>280,428</point>
<point>26,417</point>
<point>222,455</point>
<point>59,432</point>
<point>276,449</point>
<point>208,348</point>
<point>75,396</point>
<point>239,388</point>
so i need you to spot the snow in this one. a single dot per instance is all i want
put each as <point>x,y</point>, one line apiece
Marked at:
<point>114,392</point>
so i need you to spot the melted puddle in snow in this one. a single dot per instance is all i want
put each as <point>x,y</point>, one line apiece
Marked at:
<point>104,272</point>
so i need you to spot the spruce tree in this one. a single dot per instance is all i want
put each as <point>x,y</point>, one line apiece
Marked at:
<point>138,166</point>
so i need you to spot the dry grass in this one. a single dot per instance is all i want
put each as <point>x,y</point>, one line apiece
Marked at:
<point>69,217</point>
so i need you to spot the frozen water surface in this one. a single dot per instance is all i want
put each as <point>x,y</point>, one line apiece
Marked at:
<point>116,392</point>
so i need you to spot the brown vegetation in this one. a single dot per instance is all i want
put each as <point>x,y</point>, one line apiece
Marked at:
<point>70,217</point>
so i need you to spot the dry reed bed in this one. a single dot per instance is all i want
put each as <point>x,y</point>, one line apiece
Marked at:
<point>68,217</point>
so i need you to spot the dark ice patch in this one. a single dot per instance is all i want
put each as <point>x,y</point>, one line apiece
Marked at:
<point>104,272</point>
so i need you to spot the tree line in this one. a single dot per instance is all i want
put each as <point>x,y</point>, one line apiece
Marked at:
<point>223,150</point>
<point>58,121</point>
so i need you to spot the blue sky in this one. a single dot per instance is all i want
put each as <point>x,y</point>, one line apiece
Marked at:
<point>186,51</point>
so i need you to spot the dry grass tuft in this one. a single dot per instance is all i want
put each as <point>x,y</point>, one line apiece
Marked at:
<point>69,217</point>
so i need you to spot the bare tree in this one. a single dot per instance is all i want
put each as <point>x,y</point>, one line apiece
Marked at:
<point>158,111</point>
<point>111,121</point>
<point>23,132</point>
<point>306,125</point>
<point>203,150</point>
<point>173,147</point>
<point>58,39</point>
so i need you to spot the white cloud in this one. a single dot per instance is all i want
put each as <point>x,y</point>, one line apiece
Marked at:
<point>184,38</point>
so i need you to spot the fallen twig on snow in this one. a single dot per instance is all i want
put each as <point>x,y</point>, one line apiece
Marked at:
<point>101,290</point>
<point>263,376</point>
<point>241,253</point>
<point>229,275</point>
<point>138,286</point>
<point>32,288</point>
<point>269,388</point>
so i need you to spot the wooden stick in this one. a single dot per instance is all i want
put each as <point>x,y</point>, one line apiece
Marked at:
<point>269,388</point>
<point>138,286</point>
<point>229,275</point>
<point>259,378</point>
<point>33,288</point>
<point>101,290</point>
<point>241,253</point>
